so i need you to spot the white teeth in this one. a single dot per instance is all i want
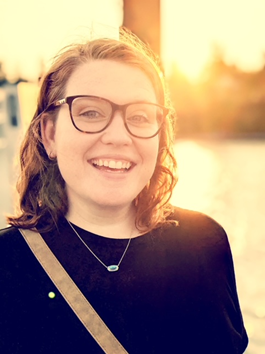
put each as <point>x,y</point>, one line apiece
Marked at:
<point>112,164</point>
<point>118,165</point>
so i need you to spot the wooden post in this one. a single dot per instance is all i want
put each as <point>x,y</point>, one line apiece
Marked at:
<point>142,17</point>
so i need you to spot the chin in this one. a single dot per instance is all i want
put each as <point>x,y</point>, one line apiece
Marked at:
<point>114,201</point>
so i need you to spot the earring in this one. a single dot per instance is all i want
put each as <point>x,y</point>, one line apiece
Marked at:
<point>52,156</point>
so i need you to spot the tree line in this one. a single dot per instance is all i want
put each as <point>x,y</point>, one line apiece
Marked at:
<point>225,102</point>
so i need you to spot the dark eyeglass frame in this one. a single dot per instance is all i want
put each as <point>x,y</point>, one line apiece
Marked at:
<point>115,107</point>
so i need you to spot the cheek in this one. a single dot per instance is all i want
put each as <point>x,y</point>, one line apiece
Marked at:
<point>151,153</point>
<point>69,142</point>
<point>67,149</point>
<point>70,149</point>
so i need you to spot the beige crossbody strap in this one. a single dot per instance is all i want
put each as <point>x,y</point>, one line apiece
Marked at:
<point>79,304</point>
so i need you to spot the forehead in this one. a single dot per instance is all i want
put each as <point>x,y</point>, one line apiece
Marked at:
<point>113,80</point>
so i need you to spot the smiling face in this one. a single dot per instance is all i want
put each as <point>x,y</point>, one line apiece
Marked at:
<point>110,168</point>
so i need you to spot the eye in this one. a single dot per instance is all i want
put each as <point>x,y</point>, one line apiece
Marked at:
<point>138,118</point>
<point>141,114</point>
<point>90,113</point>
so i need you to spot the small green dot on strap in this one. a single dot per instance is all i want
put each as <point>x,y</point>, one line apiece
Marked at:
<point>51,295</point>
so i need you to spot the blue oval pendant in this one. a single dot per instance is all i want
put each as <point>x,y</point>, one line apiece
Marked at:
<point>113,268</point>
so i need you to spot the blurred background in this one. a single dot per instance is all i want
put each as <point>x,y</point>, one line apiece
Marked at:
<point>213,55</point>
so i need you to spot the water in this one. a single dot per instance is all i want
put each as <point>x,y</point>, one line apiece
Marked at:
<point>224,179</point>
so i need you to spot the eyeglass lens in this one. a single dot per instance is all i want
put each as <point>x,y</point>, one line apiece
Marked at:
<point>92,115</point>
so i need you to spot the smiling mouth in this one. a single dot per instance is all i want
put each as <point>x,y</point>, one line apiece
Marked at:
<point>112,165</point>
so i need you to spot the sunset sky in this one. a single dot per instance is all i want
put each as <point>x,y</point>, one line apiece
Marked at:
<point>190,29</point>
<point>32,31</point>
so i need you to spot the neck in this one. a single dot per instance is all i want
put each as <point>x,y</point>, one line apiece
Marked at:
<point>113,222</point>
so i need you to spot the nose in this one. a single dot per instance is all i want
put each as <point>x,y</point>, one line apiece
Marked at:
<point>116,133</point>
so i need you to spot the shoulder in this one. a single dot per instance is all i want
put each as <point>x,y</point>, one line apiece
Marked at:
<point>9,234</point>
<point>12,244</point>
<point>196,234</point>
<point>194,224</point>
<point>202,244</point>
<point>189,217</point>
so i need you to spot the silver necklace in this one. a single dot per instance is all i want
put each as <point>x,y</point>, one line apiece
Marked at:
<point>110,268</point>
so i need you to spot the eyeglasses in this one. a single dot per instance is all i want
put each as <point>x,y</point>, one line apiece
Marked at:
<point>91,114</point>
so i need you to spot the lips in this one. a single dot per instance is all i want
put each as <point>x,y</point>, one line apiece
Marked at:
<point>109,164</point>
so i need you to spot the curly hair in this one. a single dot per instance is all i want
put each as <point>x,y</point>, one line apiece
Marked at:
<point>41,188</point>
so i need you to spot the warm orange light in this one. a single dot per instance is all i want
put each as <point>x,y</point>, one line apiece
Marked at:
<point>191,28</point>
<point>27,96</point>
<point>198,171</point>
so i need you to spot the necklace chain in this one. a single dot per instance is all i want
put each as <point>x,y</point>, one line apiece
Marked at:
<point>110,268</point>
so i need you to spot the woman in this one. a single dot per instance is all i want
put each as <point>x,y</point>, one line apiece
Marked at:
<point>97,173</point>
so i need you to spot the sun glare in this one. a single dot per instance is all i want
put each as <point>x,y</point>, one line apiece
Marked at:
<point>198,170</point>
<point>191,29</point>
<point>184,43</point>
<point>27,95</point>
<point>34,32</point>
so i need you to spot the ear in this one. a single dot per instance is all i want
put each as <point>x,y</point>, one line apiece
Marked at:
<point>48,135</point>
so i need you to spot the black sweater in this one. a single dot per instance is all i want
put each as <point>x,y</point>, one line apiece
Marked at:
<point>175,291</point>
